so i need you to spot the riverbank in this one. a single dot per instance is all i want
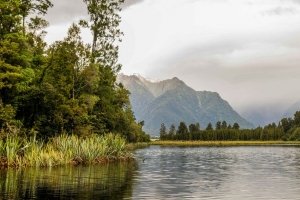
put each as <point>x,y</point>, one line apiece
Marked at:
<point>223,143</point>
<point>16,151</point>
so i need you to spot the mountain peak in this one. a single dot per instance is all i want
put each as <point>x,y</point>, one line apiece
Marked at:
<point>171,101</point>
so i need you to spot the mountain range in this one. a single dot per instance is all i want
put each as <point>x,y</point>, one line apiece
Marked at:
<point>172,101</point>
<point>292,109</point>
<point>261,115</point>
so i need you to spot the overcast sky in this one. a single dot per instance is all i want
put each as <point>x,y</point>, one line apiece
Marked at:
<point>246,50</point>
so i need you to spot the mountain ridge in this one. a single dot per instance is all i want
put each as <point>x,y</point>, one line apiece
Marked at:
<point>171,101</point>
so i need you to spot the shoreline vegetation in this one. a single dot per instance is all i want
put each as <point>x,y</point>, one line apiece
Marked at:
<point>222,143</point>
<point>16,151</point>
<point>67,86</point>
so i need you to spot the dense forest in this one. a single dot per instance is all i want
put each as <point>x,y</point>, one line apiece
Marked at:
<point>68,86</point>
<point>287,129</point>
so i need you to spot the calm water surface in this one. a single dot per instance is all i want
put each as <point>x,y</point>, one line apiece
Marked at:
<point>267,172</point>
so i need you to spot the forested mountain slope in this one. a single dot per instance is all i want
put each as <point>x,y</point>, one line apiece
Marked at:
<point>172,101</point>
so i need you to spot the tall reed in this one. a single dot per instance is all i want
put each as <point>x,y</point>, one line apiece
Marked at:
<point>61,150</point>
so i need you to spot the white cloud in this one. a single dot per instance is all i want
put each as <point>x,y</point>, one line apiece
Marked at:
<point>247,50</point>
<point>279,10</point>
<point>224,46</point>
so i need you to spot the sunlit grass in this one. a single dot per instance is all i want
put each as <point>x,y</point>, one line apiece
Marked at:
<point>223,143</point>
<point>138,145</point>
<point>61,150</point>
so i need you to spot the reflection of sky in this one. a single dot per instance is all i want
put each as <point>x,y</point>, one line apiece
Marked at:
<point>218,173</point>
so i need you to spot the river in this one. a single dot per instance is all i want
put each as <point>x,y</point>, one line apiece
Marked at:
<point>253,172</point>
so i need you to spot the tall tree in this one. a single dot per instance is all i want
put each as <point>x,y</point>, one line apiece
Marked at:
<point>182,131</point>
<point>171,134</point>
<point>29,7</point>
<point>104,22</point>
<point>209,127</point>
<point>163,132</point>
<point>236,126</point>
<point>297,118</point>
<point>286,123</point>
<point>68,84</point>
<point>218,125</point>
<point>224,125</point>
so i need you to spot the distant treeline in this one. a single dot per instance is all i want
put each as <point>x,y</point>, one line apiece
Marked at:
<point>287,129</point>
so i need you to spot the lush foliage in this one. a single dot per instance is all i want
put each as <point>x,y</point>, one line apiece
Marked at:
<point>60,150</point>
<point>287,129</point>
<point>64,87</point>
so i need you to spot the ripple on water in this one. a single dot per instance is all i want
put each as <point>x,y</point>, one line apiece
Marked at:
<point>219,173</point>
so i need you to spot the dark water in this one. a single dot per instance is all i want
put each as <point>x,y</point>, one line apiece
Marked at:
<point>269,172</point>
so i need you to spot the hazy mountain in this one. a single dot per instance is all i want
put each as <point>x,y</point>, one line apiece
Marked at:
<point>262,115</point>
<point>172,101</point>
<point>291,110</point>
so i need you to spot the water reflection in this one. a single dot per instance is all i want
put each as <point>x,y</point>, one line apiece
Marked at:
<point>218,173</point>
<point>167,173</point>
<point>105,181</point>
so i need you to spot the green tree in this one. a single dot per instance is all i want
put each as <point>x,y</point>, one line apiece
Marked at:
<point>218,125</point>
<point>163,132</point>
<point>286,123</point>
<point>29,7</point>
<point>236,126</point>
<point>182,131</point>
<point>67,94</point>
<point>67,86</point>
<point>224,125</point>
<point>194,127</point>
<point>209,127</point>
<point>104,22</point>
<point>297,118</point>
<point>171,135</point>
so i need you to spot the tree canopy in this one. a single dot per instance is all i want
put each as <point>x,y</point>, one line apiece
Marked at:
<point>68,86</point>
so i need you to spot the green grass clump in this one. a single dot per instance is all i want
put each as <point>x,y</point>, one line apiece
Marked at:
<point>61,150</point>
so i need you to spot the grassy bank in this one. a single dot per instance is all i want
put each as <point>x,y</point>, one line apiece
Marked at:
<point>223,143</point>
<point>138,145</point>
<point>62,150</point>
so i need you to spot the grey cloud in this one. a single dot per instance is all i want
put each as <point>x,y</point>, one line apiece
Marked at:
<point>64,12</point>
<point>212,67</point>
<point>296,1</point>
<point>281,11</point>
<point>128,3</point>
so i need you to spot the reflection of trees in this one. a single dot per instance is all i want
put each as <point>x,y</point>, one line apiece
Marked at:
<point>105,181</point>
<point>207,167</point>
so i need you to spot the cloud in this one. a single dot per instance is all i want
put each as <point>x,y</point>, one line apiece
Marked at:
<point>281,11</point>
<point>128,3</point>
<point>296,1</point>
<point>64,12</point>
<point>227,46</point>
